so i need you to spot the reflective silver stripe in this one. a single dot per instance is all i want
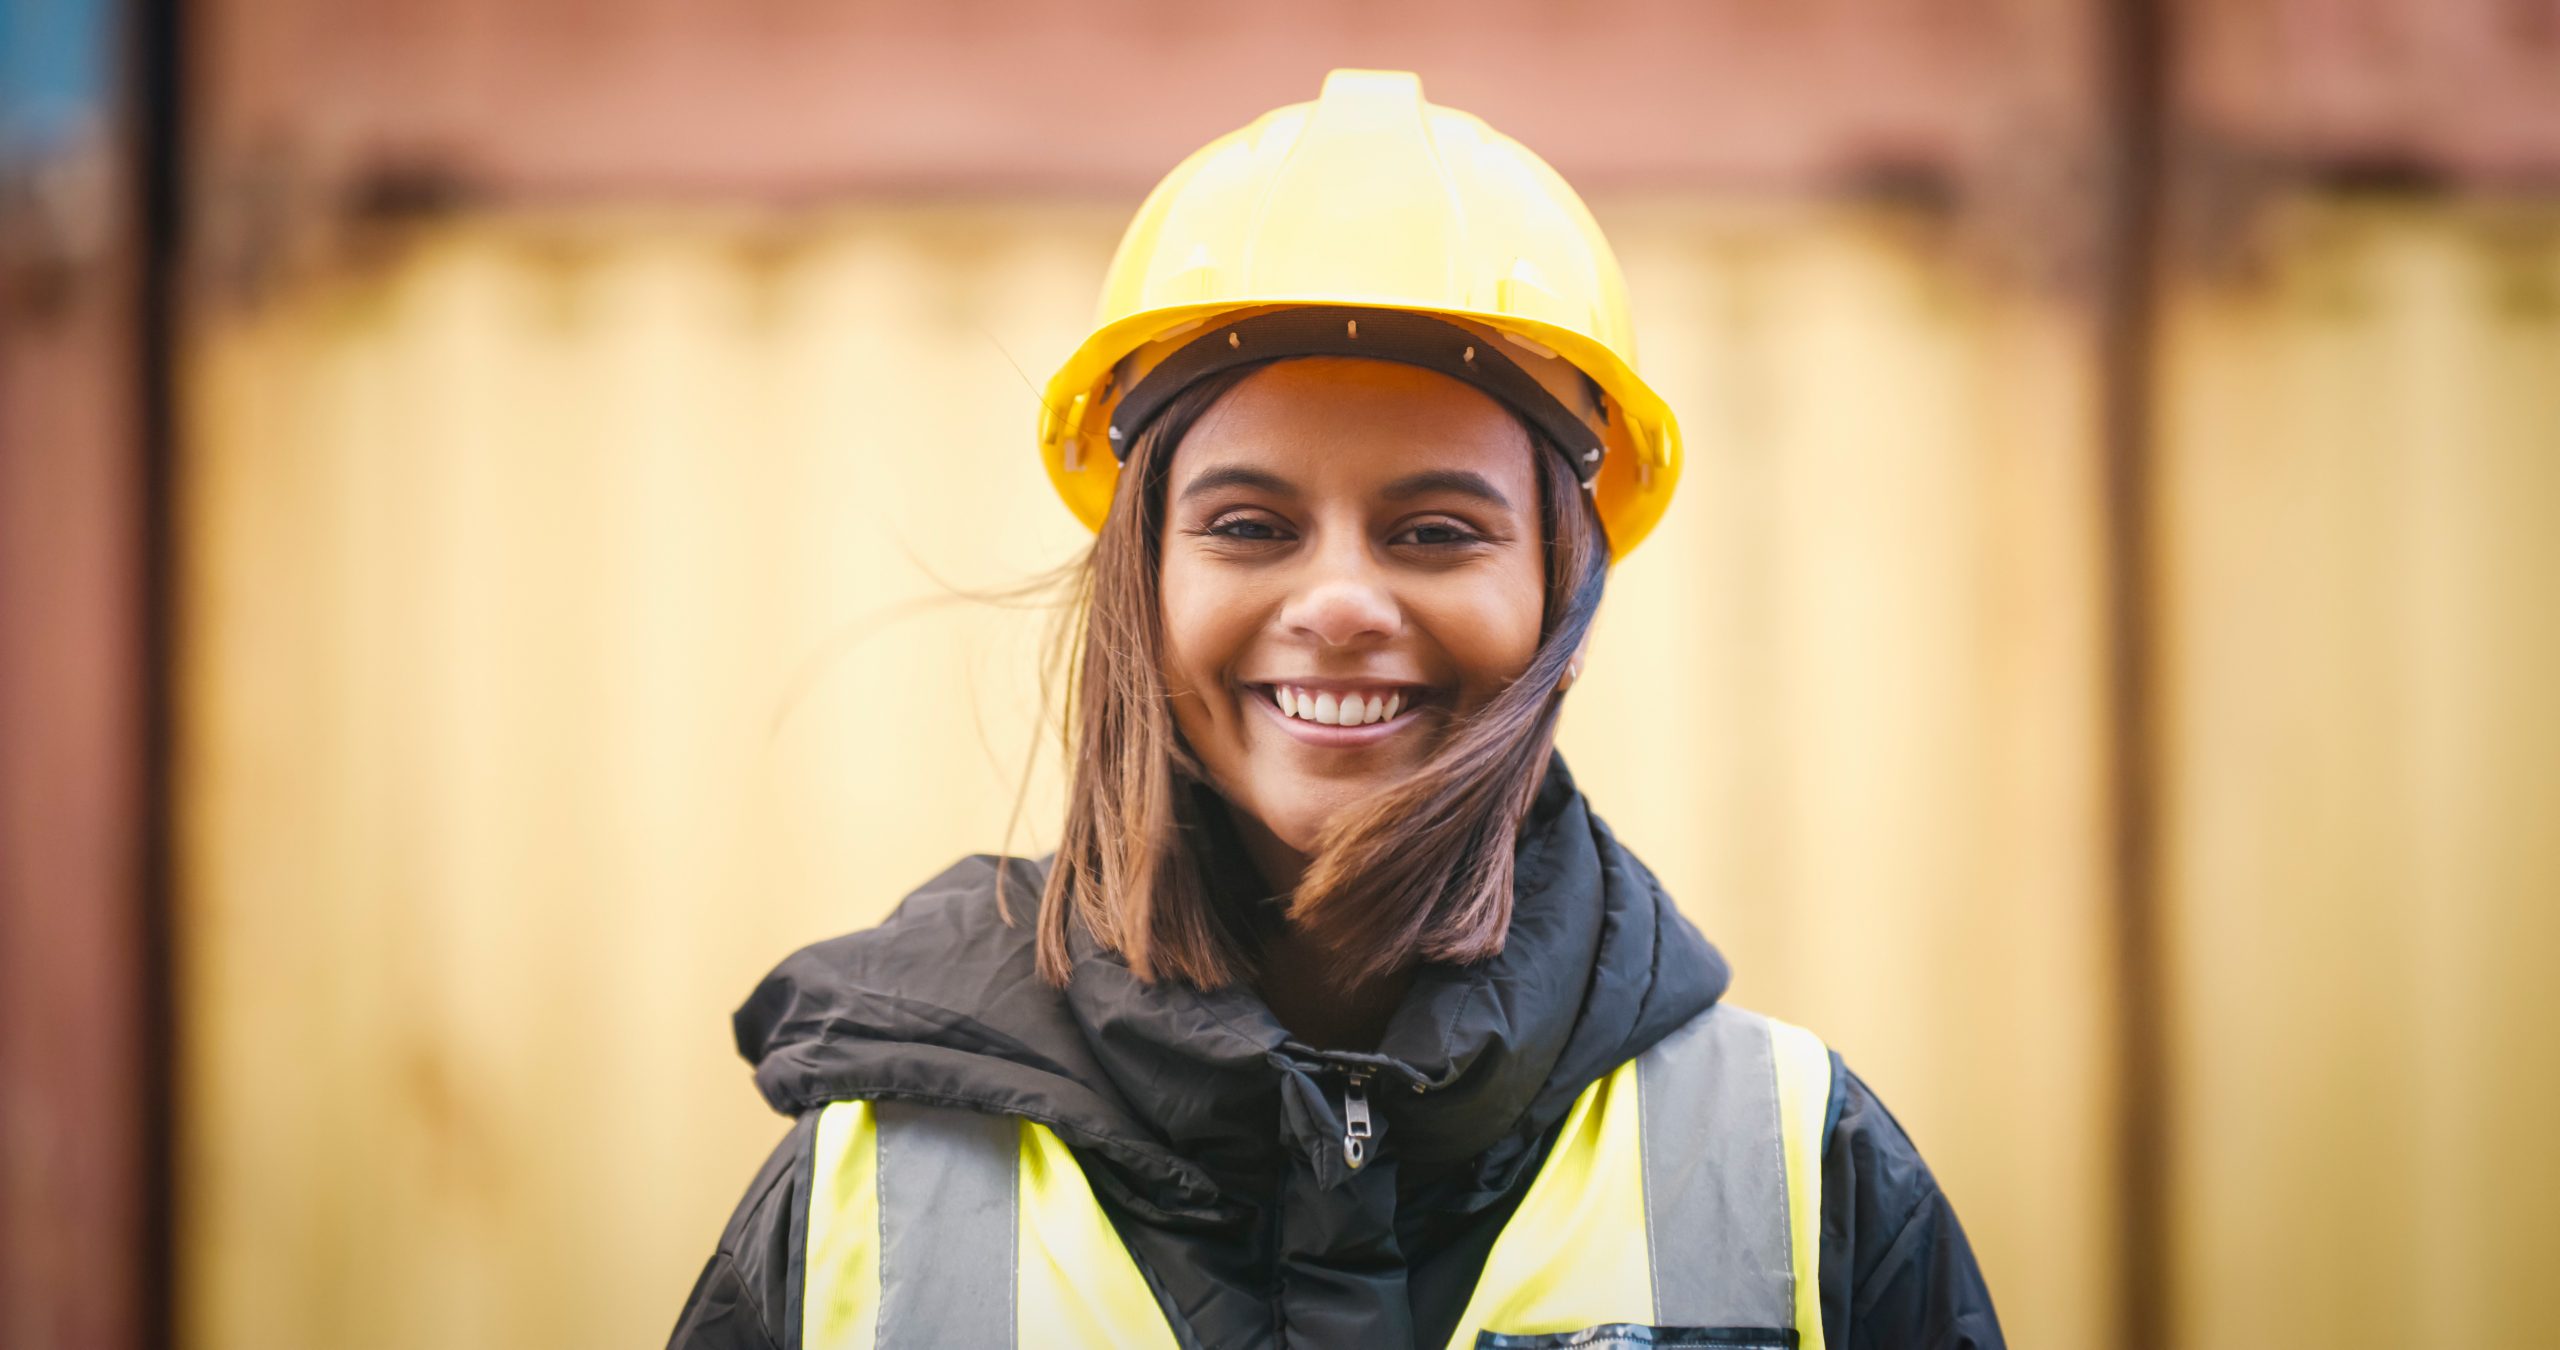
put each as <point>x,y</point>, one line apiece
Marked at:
<point>947,1224</point>
<point>1715,1175</point>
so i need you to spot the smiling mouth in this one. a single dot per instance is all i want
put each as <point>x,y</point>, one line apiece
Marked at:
<point>1347,708</point>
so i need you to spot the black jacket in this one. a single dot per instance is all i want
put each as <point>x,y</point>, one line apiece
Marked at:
<point>1213,1139</point>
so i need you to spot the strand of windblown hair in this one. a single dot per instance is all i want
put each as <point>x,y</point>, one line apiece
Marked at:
<point>1375,905</point>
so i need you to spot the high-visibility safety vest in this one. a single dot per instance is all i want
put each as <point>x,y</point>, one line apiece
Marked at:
<point>1682,1194</point>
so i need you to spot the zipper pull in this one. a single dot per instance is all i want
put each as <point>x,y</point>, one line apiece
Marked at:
<point>1355,1120</point>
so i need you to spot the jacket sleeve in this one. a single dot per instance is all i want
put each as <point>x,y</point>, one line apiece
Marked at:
<point>1897,1273</point>
<point>747,1296</point>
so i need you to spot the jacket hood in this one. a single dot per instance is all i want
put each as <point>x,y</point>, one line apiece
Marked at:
<point>1193,1100</point>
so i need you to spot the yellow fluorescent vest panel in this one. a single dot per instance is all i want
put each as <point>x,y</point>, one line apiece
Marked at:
<point>1583,1217</point>
<point>1078,1285</point>
<point>1803,1067</point>
<point>843,1236</point>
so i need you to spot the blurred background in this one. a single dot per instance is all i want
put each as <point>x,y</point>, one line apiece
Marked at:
<point>483,485</point>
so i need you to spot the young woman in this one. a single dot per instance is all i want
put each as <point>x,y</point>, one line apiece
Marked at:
<point>1338,1018</point>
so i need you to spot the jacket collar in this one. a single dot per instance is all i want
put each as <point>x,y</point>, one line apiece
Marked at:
<point>1194,1099</point>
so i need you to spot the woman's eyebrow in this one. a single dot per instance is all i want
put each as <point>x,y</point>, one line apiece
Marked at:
<point>1236,475</point>
<point>1461,481</point>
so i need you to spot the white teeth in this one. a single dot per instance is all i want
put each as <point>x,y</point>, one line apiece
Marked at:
<point>1336,710</point>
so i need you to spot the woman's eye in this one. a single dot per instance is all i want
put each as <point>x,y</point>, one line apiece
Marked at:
<point>1242,527</point>
<point>1440,533</point>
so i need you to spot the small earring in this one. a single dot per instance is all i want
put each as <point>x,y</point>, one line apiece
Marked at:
<point>1572,672</point>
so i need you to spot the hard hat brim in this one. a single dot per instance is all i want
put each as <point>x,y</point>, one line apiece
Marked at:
<point>1638,473</point>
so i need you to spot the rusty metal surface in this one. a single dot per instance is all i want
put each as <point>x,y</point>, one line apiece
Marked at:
<point>83,993</point>
<point>1087,96</point>
<point>2444,92</point>
<point>73,1127</point>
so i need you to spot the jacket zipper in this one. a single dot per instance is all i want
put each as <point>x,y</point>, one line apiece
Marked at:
<point>1355,1118</point>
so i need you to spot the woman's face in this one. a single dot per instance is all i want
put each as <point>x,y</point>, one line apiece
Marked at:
<point>1344,540</point>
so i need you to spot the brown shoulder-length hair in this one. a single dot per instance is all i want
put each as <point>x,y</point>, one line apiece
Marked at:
<point>1420,872</point>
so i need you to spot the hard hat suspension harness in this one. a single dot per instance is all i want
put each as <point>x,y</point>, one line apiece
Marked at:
<point>1382,334</point>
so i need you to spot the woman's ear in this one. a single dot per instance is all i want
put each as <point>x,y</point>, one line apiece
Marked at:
<point>1573,668</point>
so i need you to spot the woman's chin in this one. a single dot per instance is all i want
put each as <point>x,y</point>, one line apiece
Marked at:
<point>1301,837</point>
<point>1298,817</point>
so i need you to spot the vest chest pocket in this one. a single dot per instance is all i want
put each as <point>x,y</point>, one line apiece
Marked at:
<point>1635,1336</point>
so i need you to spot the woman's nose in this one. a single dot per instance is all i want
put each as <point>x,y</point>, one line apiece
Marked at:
<point>1342,608</point>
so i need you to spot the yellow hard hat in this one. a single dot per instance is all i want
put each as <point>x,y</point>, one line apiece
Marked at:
<point>1454,245</point>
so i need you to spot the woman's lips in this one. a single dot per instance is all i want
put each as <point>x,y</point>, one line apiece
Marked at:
<point>1409,702</point>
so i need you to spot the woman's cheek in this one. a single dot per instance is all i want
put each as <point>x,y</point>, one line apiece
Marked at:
<point>1490,642</point>
<point>1200,644</point>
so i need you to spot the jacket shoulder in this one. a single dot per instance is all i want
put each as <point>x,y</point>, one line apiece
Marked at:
<point>979,909</point>
<point>1896,1267</point>
<point>983,880</point>
<point>746,1296</point>
<point>985,900</point>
